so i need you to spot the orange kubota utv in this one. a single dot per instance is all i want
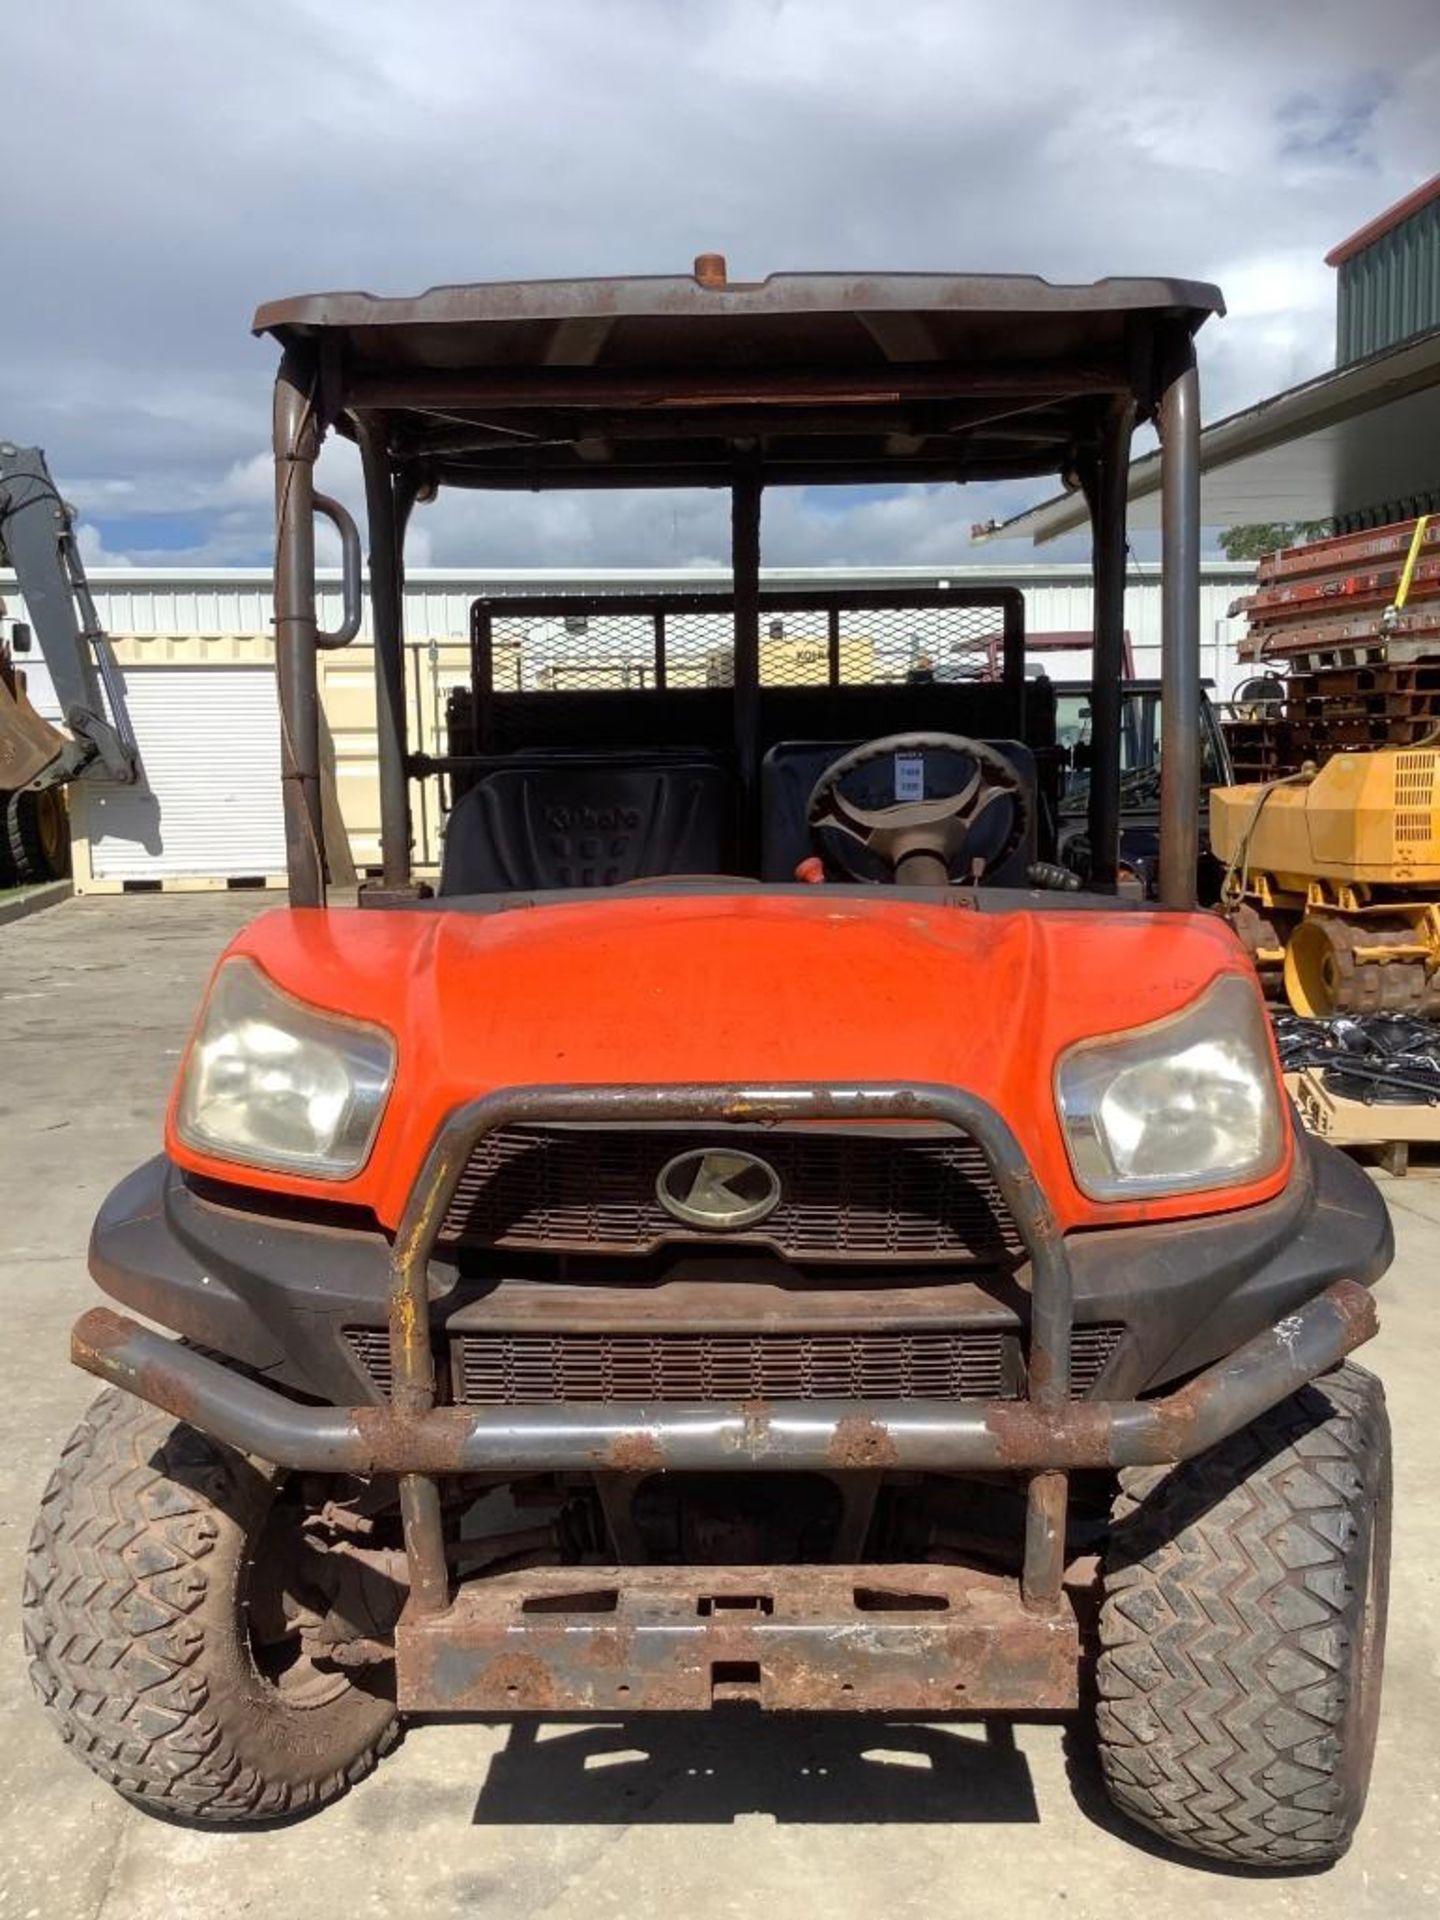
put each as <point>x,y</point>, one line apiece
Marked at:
<point>754,1232</point>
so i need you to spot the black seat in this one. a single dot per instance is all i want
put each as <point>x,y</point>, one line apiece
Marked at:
<point>588,820</point>
<point>788,774</point>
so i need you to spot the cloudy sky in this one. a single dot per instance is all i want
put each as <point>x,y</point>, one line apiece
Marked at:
<point>171,163</point>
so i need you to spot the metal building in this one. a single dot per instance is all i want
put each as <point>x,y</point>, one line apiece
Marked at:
<point>196,652</point>
<point>1388,280</point>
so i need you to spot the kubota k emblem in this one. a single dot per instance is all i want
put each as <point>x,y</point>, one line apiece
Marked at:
<point>718,1188</point>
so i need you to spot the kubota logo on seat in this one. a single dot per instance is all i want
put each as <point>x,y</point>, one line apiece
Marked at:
<point>592,819</point>
<point>718,1188</point>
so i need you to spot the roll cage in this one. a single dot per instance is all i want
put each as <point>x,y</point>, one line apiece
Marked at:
<point>805,380</point>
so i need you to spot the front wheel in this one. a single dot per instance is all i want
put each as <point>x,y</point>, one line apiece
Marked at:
<point>1243,1631</point>
<point>37,835</point>
<point>166,1588</point>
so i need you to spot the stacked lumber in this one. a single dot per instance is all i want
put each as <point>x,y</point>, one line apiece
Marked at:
<point>1356,674</point>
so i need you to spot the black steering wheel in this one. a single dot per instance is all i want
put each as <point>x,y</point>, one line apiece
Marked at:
<point>924,842</point>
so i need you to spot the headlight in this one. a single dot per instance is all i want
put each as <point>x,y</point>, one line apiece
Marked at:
<point>281,1085</point>
<point>1187,1104</point>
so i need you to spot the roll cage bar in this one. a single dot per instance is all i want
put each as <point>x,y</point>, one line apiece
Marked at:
<point>700,381</point>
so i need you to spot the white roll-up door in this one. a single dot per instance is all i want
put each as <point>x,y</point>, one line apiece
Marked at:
<point>210,805</point>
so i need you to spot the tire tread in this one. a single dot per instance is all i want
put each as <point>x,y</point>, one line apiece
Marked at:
<point>1234,1596</point>
<point>116,1581</point>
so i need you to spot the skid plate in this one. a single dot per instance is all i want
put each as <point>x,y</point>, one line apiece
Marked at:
<point>632,1639</point>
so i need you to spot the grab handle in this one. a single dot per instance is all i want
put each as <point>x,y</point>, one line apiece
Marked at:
<point>349,534</point>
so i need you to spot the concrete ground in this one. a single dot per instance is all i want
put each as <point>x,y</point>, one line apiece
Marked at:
<point>698,1817</point>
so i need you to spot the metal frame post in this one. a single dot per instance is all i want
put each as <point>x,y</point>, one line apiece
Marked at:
<point>1047,1496</point>
<point>1012,659</point>
<point>388,621</point>
<point>745,572</point>
<point>1106,484</point>
<point>1180,626</point>
<point>297,435</point>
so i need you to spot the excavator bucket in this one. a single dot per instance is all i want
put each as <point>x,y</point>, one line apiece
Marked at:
<point>28,744</point>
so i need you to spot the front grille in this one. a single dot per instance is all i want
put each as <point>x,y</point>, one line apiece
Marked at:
<point>1090,1351</point>
<point>844,1196</point>
<point>930,1363</point>
<point>370,1348</point>
<point>511,1370</point>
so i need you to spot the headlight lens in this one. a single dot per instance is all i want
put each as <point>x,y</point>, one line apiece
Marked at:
<point>1187,1104</point>
<point>277,1084</point>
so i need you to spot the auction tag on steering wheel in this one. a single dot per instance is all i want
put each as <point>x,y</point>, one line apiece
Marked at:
<point>909,778</point>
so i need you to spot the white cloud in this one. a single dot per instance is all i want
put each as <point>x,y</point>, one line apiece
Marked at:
<point>246,483</point>
<point>200,160</point>
<point>93,550</point>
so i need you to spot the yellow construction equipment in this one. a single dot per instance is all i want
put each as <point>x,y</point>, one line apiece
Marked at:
<point>1333,880</point>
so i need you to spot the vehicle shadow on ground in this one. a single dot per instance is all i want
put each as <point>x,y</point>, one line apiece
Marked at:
<point>706,1768</point>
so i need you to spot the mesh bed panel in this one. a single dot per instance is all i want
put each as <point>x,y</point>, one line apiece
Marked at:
<point>592,649</point>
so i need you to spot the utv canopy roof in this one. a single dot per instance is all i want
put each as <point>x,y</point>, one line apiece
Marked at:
<point>663,381</point>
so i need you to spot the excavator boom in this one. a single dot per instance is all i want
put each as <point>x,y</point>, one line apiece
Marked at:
<point>37,540</point>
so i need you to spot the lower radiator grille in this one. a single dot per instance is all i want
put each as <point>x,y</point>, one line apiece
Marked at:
<point>370,1349</point>
<point>1090,1351</point>
<point>931,1363</point>
<point>520,1370</point>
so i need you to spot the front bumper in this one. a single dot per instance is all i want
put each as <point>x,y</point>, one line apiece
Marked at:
<point>921,1639</point>
<point>927,1638</point>
<point>802,1435</point>
<point>1269,1297</point>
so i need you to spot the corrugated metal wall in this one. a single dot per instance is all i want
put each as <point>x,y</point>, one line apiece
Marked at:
<point>1390,289</point>
<point>153,617</point>
<point>222,620</point>
<point>210,807</point>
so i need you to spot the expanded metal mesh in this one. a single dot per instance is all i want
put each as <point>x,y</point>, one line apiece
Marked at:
<point>508,1368</point>
<point>928,1363</point>
<point>843,1196</point>
<point>630,647</point>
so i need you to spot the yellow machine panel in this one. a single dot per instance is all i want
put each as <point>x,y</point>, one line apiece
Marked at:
<point>1334,882</point>
<point>1364,818</point>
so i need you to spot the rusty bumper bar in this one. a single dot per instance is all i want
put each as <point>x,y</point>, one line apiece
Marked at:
<point>818,1435</point>
<point>892,1639</point>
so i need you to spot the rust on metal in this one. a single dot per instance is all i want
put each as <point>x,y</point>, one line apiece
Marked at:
<point>665,1639</point>
<point>858,1442</point>
<point>520,1680</point>
<point>97,1335</point>
<point>1027,1435</point>
<point>101,1343</point>
<point>636,1452</point>
<point>429,1443</point>
<point>1355,1306</point>
<point>1021,1436</point>
<point>1046,1520</point>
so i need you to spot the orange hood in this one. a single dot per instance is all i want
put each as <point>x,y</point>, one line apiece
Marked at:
<point>743,988</point>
